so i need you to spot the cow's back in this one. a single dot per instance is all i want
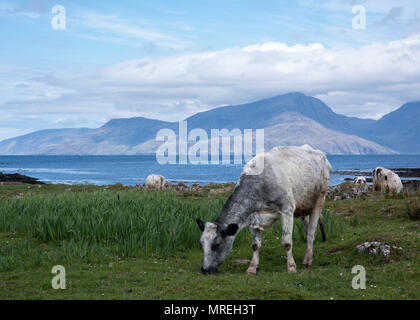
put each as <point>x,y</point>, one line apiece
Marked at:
<point>299,173</point>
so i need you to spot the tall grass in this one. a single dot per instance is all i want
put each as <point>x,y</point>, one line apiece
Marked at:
<point>413,209</point>
<point>332,228</point>
<point>93,226</point>
<point>128,223</point>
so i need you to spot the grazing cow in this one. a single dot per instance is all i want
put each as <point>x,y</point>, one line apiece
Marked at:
<point>155,181</point>
<point>386,180</point>
<point>292,183</point>
<point>359,180</point>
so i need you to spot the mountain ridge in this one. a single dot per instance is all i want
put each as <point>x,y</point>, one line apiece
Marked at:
<point>128,135</point>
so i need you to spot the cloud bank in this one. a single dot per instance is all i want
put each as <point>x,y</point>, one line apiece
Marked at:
<point>368,81</point>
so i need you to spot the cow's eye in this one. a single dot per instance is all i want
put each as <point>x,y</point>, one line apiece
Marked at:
<point>215,246</point>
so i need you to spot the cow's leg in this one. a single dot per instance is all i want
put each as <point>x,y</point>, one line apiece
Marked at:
<point>256,247</point>
<point>305,223</point>
<point>287,232</point>
<point>311,233</point>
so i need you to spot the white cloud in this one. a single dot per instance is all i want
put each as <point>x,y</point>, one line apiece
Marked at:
<point>384,75</point>
<point>107,26</point>
<point>367,82</point>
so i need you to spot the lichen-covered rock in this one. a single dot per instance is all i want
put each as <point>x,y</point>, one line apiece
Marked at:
<point>375,247</point>
<point>348,190</point>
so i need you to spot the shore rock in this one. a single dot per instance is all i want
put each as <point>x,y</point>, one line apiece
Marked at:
<point>348,190</point>
<point>18,178</point>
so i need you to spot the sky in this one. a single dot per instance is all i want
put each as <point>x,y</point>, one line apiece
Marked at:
<point>170,59</point>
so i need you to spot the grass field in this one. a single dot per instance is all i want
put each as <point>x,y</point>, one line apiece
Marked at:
<point>122,243</point>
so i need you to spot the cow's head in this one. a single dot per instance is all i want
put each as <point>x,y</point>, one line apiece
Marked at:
<point>217,242</point>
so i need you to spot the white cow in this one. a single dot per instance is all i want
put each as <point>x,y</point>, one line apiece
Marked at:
<point>359,180</point>
<point>386,180</point>
<point>292,183</point>
<point>155,181</point>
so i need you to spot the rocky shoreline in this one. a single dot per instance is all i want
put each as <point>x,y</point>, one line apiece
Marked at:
<point>402,172</point>
<point>17,178</point>
<point>344,190</point>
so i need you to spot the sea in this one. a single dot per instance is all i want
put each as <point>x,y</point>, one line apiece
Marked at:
<point>132,170</point>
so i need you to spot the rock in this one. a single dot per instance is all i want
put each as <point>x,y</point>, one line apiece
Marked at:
<point>20,178</point>
<point>182,184</point>
<point>388,210</point>
<point>347,190</point>
<point>376,247</point>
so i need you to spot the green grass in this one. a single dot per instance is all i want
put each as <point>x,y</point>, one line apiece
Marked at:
<point>413,210</point>
<point>120,243</point>
<point>124,222</point>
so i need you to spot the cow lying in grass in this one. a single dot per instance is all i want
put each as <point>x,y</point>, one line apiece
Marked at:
<point>292,183</point>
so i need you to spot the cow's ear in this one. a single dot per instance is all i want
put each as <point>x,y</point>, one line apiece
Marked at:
<point>231,230</point>
<point>201,224</point>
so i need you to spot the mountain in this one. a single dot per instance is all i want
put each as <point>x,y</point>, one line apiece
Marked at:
<point>290,128</point>
<point>295,129</point>
<point>400,129</point>
<point>289,119</point>
<point>41,142</point>
<point>260,114</point>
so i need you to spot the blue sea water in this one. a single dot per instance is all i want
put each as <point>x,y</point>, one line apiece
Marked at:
<point>130,170</point>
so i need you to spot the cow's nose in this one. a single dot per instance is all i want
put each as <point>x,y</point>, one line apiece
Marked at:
<point>208,271</point>
<point>204,271</point>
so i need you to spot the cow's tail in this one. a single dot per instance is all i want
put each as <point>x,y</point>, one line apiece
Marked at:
<point>322,227</point>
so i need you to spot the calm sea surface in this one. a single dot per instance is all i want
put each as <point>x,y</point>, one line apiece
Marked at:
<point>130,170</point>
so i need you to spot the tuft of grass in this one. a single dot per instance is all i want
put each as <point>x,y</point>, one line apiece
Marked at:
<point>333,227</point>
<point>413,210</point>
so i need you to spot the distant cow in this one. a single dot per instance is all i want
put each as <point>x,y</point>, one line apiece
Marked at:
<point>292,183</point>
<point>155,181</point>
<point>359,180</point>
<point>386,180</point>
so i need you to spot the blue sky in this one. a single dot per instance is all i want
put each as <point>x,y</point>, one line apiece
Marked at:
<point>170,59</point>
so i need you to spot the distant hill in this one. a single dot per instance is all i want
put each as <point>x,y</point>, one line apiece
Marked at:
<point>400,129</point>
<point>289,119</point>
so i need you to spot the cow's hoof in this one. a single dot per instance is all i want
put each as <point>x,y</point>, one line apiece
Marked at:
<point>307,262</point>
<point>291,268</point>
<point>251,272</point>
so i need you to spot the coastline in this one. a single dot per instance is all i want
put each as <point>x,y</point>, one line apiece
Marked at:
<point>410,180</point>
